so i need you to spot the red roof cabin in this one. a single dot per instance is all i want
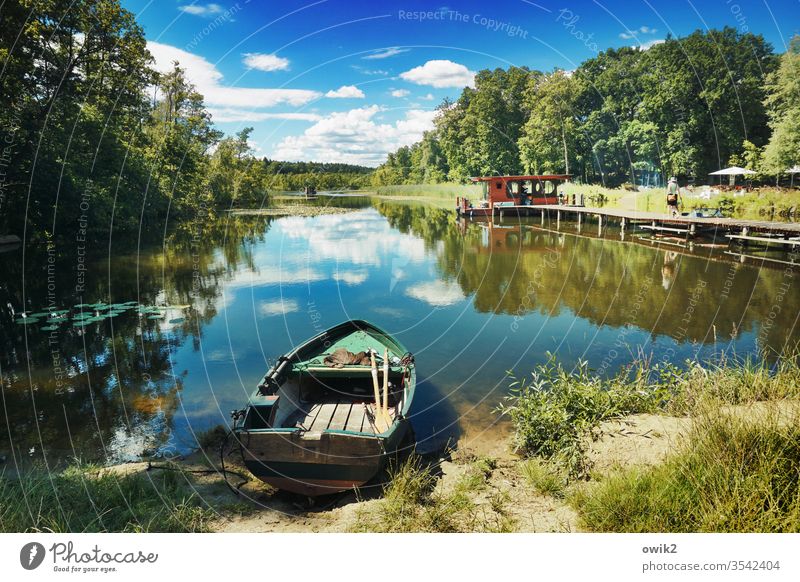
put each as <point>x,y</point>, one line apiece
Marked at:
<point>513,195</point>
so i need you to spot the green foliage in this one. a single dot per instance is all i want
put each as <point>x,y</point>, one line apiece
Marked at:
<point>676,108</point>
<point>555,411</point>
<point>89,499</point>
<point>736,473</point>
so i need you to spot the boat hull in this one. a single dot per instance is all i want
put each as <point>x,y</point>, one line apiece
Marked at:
<point>319,464</point>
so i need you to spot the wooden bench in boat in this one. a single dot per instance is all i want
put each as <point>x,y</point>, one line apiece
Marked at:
<point>345,415</point>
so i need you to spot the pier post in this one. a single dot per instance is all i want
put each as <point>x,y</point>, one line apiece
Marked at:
<point>558,220</point>
<point>599,225</point>
<point>542,216</point>
<point>622,224</point>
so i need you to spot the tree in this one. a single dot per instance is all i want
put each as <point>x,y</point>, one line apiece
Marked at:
<point>783,105</point>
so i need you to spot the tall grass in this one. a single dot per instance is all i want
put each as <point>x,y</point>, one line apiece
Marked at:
<point>88,499</point>
<point>411,503</point>
<point>555,411</point>
<point>735,474</point>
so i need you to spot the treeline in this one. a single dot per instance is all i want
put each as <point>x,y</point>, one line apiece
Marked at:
<point>686,106</point>
<point>94,140</point>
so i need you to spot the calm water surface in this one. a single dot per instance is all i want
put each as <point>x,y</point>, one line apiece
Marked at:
<point>472,301</point>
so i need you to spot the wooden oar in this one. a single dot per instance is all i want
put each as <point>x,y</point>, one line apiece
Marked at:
<point>386,417</point>
<point>376,389</point>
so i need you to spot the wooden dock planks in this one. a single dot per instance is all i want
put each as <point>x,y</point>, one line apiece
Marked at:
<point>637,215</point>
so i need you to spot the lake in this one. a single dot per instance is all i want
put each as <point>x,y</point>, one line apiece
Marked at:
<point>157,343</point>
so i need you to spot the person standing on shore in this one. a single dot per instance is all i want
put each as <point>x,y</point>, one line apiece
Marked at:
<point>673,196</point>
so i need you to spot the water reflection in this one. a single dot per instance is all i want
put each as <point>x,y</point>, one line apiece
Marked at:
<point>472,300</point>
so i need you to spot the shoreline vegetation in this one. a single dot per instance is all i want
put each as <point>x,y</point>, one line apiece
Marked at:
<point>711,446</point>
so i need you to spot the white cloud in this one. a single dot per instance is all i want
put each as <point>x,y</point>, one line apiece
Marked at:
<point>227,114</point>
<point>354,137</point>
<point>279,307</point>
<point>386,53</point>
<point>346,92</point>
<point>629,34</point>
<point>208,80</point>
<point>400,93</point>
<point>362,240</point>
<point>264,62</point>
<point>369,71</point>
<point>440,74</point>
<point>649,44</point>
<point>428,97</point>
<point>205,10</point>
<point>436,293</point>
<point>350,277</point>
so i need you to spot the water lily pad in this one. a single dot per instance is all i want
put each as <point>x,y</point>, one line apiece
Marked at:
<point>83,305</point>
<point>26,320</point>
<point>40,314</point>
<point>156,317</point>
<point>50,328</point>
<point>83,323</point>
<point>85,315</point>
<point>177,320</point>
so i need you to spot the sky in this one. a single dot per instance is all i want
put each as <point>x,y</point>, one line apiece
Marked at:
<point>351,80</point>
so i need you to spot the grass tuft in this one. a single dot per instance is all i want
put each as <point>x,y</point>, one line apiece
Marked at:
<point>411,503</point>
<point>735,474</point>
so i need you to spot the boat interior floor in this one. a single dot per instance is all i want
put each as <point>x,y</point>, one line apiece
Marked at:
<point>341,415</point>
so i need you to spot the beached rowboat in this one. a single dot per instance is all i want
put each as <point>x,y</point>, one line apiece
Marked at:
<point>327,416</point>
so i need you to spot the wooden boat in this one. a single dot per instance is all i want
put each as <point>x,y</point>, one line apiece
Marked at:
<point>316,426</point>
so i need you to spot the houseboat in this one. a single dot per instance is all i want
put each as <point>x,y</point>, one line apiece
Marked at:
<point>512,195</point>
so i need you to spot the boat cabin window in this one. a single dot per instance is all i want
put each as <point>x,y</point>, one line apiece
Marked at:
<point>519,188</point>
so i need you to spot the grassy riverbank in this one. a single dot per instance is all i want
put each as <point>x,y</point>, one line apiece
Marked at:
<point>710,447</point>
<point>87,498</point>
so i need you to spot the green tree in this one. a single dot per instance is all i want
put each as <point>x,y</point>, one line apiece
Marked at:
<point>783,105</point>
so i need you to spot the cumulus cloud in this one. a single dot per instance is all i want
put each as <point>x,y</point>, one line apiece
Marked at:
<point>428,97</point>
<point>441,74</point>
<point>205,10</point>
<point>346,92</point>
<point>264,62</point>
<point>629,34</point>
<point>355,137</point>
<point>436,293</point>
<point>400,93</point>
<point>226,114</point>
<point>386,53</point>
<point>208,80</point>
<point>278,307</point>
<point>350,277</point>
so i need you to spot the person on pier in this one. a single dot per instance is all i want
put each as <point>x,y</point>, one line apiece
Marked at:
<point>673,196</point>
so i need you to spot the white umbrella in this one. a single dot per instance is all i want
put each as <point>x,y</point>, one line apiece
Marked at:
<point>733,171</point>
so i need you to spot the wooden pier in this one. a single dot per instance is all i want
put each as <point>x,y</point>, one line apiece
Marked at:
<point>756,231</point>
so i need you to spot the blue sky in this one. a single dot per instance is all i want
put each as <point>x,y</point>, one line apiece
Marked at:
<point>350,80</point>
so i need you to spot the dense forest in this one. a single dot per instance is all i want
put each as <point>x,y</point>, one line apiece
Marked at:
<point>687,106</point>
<point>94,140</point>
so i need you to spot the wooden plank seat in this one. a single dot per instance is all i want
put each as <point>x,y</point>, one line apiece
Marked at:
<point>341,415</point>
